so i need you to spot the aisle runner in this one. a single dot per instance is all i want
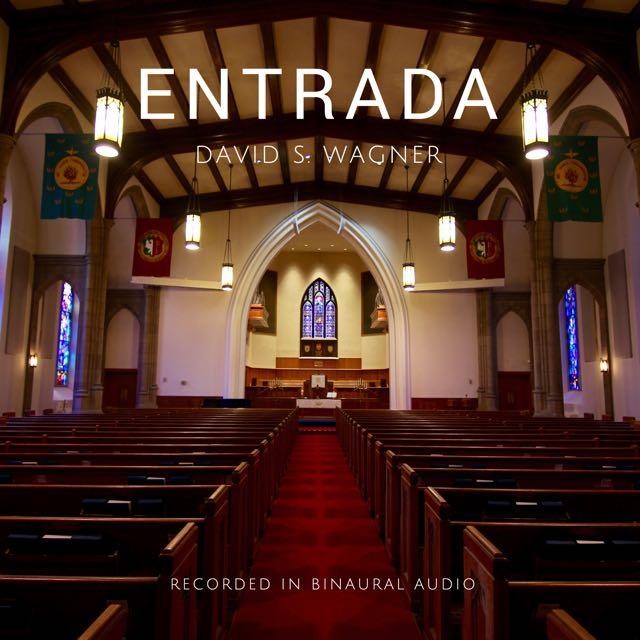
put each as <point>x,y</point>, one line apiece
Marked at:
<point>320,528</point>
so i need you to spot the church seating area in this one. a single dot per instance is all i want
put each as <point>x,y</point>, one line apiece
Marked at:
<point>102,514</point>
<point>537,516</point>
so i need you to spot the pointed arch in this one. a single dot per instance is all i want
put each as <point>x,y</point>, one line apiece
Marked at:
<point>372,255</point>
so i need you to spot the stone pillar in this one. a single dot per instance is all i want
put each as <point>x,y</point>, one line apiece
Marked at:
<point>634,147</point>
<point>148,349</point>
<point>87,393</point>
<point>548,391</point>
<point>7,143</point>
<point>487,356</point>
<point>538,355</point>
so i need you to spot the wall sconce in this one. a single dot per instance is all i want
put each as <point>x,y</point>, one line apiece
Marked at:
<point>33,360</point>
<point>604,365</point>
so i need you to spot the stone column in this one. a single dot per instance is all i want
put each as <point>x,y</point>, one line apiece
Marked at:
<point>538,355</point>
<point>148,349</point>
<point>634,147</point>
<point>487,356</point>
<point>87,393</point>
<point>7,143</point>
<point>548,392</point>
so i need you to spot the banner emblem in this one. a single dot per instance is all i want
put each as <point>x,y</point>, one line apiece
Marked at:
<point>71,172</point>
<point>153,246</point>
<point>571,175</point>
<point>485,247</point>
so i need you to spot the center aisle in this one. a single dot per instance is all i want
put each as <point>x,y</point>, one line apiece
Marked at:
<point>320,528</point>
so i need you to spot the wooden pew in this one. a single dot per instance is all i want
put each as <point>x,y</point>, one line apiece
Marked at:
<point>119,546</point>
<point>517,569</point>
<point>404,531</point>
<point>111,624</point>
<point>562,626</point>
<point>387,475</point>
<point>448,511</point>
<point>52,606</point>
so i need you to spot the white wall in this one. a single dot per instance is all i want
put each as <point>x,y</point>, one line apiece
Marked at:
<point>512,344</point>
<point>192,322</point>
<point>121,341</point>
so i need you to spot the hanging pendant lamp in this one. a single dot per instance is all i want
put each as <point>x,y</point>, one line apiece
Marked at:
<point>535,111</point>
<point>447,215</point>
<point>226,278</point>
<point>193,225</point>
<point>109,121</point>
<point>408,266</point>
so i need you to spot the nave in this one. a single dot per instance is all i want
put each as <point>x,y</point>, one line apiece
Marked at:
<point>320,528</point>
<point>487,525</point>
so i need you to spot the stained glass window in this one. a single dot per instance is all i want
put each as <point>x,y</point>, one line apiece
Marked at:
<point>64,335</point>
<point>319,311</point>
<point>330,320</point>
<point>573,349</point>
<point>307,320</point>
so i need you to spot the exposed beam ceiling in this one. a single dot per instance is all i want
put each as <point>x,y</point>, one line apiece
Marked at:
<point>173,207</point>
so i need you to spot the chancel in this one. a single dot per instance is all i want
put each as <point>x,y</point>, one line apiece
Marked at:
<point>319,320</point>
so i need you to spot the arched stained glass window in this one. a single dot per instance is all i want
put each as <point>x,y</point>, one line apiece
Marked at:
<point>65,322</point>
<point>319,311</point>
<point>573,349</point>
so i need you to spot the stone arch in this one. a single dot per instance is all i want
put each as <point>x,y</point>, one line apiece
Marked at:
<point>370,252</point>
<point>63,113</point>
<point>503,195</point>
<point>134,192</point>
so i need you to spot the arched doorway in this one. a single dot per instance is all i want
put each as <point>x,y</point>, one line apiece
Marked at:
<point>371,254</point>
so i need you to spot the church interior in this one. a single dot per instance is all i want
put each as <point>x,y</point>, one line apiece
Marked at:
<point>288,356</point>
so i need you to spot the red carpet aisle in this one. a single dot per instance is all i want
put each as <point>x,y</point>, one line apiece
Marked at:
<point>320,528</point>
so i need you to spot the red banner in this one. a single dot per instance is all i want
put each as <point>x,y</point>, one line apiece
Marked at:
<point>152,249</point>
<point>485,249</point>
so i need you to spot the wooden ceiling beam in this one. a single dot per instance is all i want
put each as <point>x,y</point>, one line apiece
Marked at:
<point>163,58</point>
<point>479,60</point>
<point>605,40</point>
<point>341,192</point>
<point>62,79</point>
<point>275,92</point>
<point>575,88</point>
<point>217,58</point>
<point>71,90</point>
<point>424,62</point>
<point>150,186</point>
<point>508,103</point>
<point>117,76</point>
<point>371,62</point>
<point>321,61</point>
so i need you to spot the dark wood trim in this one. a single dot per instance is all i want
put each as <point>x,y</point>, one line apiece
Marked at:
<point>502,152</point>
<point>7,11</point>
<point>162,57</point>
<point>275,92</point>
<point>508,103</point>
<point>217,58</point>
<point>150,186</point>
<point>424,61</point>
<point>71,90</point>
<point>312,190</point>
<point>371,62</point>
<point>575,88</point>
<point>485,192</point>
<point>479,60</point>
<point>604,40</point>
<point>321,56</point>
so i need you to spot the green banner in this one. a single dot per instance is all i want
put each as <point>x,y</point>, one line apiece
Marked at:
<point>572,179</point>
<point>70,177</point>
